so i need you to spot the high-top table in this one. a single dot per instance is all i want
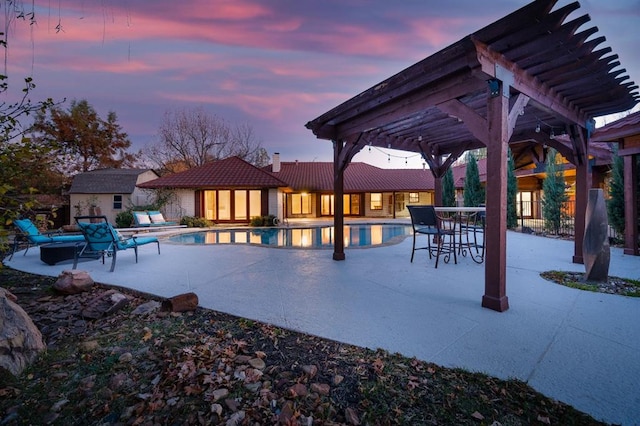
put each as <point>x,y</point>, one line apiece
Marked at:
<point>468,222</point>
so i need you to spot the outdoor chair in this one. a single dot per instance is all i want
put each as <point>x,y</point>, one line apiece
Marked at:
<point>474,231</point>
<point>27,231</point>
<point>157,219</point>
<point>103,239</point>
<point>425,221</point>
<point>150,218</point>
<point>141,219</point>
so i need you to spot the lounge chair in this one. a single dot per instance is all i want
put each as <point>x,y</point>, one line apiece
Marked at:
<point>150,218</point>
<point>141,219</point>
<point>103,239</point>
<point>425,221</point>
<point>157,219</point>
<point>27,231</point>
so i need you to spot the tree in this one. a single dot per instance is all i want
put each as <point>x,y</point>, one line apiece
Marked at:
<point>473,190</point>
<point>82,140</point>
<point>554,196</point>
<point>448,189</point>
<point>615,205</point>
<point>21,162</point>
<point>512,191</point>
<point>189,138</point>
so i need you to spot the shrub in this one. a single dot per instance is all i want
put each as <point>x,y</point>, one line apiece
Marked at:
<point>269,220</point>
<point>195,222</point>
<point>124,219</point>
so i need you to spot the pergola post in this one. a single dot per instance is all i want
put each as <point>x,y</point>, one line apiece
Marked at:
<point>583,183</point>
<point>338,191</point>
<point>495,294</point>
<point>630,205</point>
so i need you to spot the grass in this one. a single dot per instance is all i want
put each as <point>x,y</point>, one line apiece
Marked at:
<point>206,367</point>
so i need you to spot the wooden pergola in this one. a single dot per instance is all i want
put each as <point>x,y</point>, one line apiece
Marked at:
<point>518,82</point>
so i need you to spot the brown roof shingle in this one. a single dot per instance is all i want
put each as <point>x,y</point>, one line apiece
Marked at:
<point>232,172</point>
<point>358,177</point>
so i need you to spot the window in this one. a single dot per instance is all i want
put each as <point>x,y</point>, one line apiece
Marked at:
<point>117,202</point>
<point>376,201</point>
<point>414,197</point>
<point>300,203</point>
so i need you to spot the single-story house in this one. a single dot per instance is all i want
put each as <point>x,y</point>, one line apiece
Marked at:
<point>232,190</point>
<point>109,191</point>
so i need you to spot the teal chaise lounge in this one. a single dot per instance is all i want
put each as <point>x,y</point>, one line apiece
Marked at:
<point>103,239</point>
<point>27,231</point>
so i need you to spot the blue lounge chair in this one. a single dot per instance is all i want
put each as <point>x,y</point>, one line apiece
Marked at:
<point>150,218</point>
<point>102,239</point>
<point>157,219</point>
<point>27,231</point>
<point>141,219</point>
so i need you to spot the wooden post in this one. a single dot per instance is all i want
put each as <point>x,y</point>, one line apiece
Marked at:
<point>495,294</point>
<point>583,181</point>
<point>630,205</point>
<point>338,191</point>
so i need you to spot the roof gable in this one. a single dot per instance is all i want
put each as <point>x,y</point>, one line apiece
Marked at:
<point>231,172</point>
<point>106,181</point>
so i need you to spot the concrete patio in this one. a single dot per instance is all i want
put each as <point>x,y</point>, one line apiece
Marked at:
<point>578,347</point>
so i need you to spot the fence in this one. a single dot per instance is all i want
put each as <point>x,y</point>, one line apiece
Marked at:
<point>530,220</point>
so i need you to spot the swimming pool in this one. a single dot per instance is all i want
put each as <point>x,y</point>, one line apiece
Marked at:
<point>321,237</point>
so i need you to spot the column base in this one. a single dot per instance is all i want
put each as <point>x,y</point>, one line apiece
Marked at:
<point>631,251</point>
<point>578,259</point>
<point>497,304</point>
<point>338,256</point>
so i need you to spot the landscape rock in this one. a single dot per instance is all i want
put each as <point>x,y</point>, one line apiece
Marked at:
<point>20,339</point>
<point>73,282</point>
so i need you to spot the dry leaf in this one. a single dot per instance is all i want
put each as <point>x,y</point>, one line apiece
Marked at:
<point>477,415</point>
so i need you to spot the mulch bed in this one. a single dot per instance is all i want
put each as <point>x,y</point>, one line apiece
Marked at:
<point>139,366</point>
<point>614,285</point>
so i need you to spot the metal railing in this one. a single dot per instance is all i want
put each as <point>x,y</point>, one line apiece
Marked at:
<point>532,220</point>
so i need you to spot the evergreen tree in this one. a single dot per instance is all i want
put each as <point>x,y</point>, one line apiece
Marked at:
<point>554,195</point>
<point>615,205</point>
<point>448,189</point>
<point>473,190</point>
<point>512,191</point>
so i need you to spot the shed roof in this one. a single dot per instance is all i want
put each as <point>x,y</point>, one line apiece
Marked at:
<point>232,172</point>
<point>106,181</point>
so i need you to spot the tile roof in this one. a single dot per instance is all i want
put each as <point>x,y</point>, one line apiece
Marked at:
<point>106,181</point>
<point>358,177</point>
<point>232,172</point>
<point>627,126</point>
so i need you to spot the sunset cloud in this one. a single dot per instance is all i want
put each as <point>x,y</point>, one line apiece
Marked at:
<point>272,64</point>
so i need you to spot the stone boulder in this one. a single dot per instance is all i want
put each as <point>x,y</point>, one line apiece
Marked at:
<point>20,339</point>
<point>73,282</point>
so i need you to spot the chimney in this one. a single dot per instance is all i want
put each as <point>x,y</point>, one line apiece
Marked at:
<point>275,168</point>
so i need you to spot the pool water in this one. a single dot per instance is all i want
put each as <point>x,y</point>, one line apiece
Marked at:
<point>360,235</point>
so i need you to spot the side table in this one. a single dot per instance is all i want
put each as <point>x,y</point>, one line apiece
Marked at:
<point>57,252</point>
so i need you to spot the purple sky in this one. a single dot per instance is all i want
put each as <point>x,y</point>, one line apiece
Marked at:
<point>273,64</point>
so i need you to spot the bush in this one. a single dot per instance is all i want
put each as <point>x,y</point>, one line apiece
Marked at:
<point>269,220</point>
<point>124,219</point>
<point>195,222</point>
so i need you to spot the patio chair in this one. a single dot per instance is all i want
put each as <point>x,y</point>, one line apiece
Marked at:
<point>141,219</point>
<point>474,229</point>
<point>102,239</point>
<point>425,221</point>
<point>157,219</point>
<point>27,231</point>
